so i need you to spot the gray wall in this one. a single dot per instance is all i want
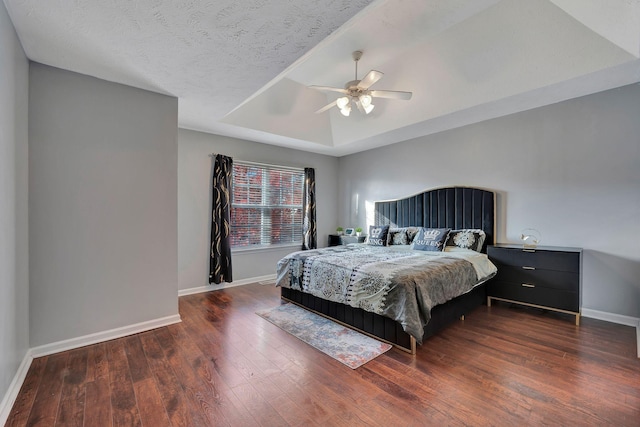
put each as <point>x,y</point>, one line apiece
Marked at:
<point>102,203</point>
<point>14,264</point>
<point>570,170</point>
<point>194,202</point>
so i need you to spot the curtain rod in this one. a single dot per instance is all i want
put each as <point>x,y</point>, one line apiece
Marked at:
<point>247,162</point>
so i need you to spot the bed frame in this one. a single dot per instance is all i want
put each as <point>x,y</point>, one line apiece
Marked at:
<point>452,207</point>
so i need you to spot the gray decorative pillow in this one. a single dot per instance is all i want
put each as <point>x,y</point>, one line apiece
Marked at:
<point>431,239</point>
<point>378,235</point>
<point>467,239</point>
<point>398,236</point>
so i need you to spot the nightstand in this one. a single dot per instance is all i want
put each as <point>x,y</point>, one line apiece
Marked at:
<point>545,277</point>
<point>335,240</point>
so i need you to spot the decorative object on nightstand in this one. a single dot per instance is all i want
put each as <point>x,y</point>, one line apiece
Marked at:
<point>339,231</point>
<point>546,277</point>
<point>349,232</point>
<point>358,231</point>
<point>530,238</point>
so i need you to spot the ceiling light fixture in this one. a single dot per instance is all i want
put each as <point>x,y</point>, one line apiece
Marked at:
<point>365,102</point>
<point>343,104</point>
<point>357,92</point>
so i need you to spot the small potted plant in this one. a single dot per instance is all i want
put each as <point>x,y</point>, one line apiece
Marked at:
<point>339,231</point>
<point>358,231</point>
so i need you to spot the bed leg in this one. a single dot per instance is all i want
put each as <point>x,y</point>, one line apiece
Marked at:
<point>462,317</point>
<point>413,345</point>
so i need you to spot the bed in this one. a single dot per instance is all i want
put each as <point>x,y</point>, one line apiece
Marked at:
<point>378,309</point>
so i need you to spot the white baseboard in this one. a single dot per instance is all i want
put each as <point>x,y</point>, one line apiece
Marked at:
<point>12,393</point>
<point>610,317</point>
<point>616,318</point>
<point>70,344</point>
<point>225,285</point>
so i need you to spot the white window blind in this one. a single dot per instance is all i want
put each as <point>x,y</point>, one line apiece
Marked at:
<point>266,206</point>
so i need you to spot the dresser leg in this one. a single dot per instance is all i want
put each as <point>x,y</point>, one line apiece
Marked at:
<point>488,301</point>
<point>578,319</point>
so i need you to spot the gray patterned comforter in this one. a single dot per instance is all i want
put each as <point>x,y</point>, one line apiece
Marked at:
<point>403,285</point>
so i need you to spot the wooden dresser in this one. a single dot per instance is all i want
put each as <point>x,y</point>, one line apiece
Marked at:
<point>544,277</point>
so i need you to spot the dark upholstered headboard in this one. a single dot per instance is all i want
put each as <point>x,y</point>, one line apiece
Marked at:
<point>453,207</point>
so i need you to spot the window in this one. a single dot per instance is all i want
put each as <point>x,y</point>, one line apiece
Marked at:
<point>266,205</point>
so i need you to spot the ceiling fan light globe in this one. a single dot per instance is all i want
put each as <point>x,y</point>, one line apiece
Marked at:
<point>346,110</point>
<point>365,100</point>
<point>368,108</point>
<point>342,102</point>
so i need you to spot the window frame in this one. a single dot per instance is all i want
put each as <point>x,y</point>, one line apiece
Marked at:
<point>264,205</point>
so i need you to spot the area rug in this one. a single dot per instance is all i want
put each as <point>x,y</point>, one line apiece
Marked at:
<point>343,344</point>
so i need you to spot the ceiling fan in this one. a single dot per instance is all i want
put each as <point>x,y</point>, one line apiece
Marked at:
<point>357,92</point>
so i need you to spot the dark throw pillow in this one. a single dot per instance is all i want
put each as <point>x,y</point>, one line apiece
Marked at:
<point>397,236</point>
<point>412,232</point>
<point>467,239</point>
<point>431,239</point>
<point>378,235</point>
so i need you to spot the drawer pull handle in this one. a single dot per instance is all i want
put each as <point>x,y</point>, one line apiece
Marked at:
<point>528,285</point>
<point>524,267</point>
<point>528,250</point>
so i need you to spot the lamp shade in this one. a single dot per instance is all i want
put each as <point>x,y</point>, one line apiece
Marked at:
<point>365,100</point>
<point>346,110</point>
<point>342,102</point>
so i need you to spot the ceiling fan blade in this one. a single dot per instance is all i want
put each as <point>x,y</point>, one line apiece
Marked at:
<point>326,107</point>
<point>371,77</point>
<point>328,88</point>
<point>391,94</point>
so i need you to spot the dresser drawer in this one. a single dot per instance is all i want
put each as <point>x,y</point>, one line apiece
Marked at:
<point>562,280</point>
<point>564,300</point>
<point>548,260</point>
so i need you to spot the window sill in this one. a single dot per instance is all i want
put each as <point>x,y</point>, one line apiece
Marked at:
<point>270,248</point>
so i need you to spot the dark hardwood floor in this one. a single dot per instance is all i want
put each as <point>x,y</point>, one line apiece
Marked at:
<point>224,365</point>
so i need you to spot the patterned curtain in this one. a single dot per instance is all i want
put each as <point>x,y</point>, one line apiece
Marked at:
<point>220,263</point>
<point>309,232</point>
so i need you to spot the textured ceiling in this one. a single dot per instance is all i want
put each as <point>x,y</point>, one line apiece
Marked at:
<point>240,68</point>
